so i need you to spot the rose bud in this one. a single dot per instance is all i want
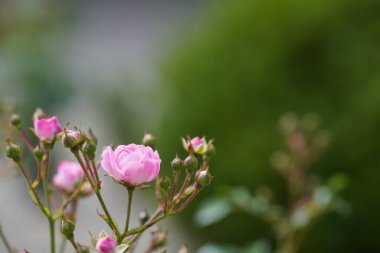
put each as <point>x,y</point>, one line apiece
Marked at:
<point>67,227</point>
<point>15,121</point>
<point>106,245</point>
<point>149,140</point>
<point>177,164</point>
<point>165,183</point>
<point>38,153</point>
<point>70,138</point>
<point>199,145</point>
<point>69,175</point>
<point>132,164</point>
<point>47,129</point>
<point>13,150</point>
<point>203,178</point>
<point>89,148</point>
<point>210,150</point>
<point>191,163</point>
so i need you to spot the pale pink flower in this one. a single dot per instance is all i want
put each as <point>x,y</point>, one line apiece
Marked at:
<point>69,175</point>
<point>106,245</point>
<point>196,142</point>
<point>133,164</point>
<point>47,129</point>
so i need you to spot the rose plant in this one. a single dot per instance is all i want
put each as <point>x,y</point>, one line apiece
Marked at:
<point>133,166</point>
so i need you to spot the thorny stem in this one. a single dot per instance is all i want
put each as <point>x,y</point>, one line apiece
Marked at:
<point>5,241</point>
<point>97,193</point>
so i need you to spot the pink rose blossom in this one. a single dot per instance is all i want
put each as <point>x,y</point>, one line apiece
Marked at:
<point>46,129</point>
<point>106,245</point>
<point>69,175</point>
<point>133,164</point>
<point>196,142</point>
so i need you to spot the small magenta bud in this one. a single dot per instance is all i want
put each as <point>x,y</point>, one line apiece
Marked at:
<point>165,183</point>
<point>106,245</point>
<point>89,148</point>
<point>177,164</point>
<point>67,227</point>
<point>13,150</point>
<point>191,163</point>
<point>143,217</point>
<point>149,140</point>
<point>70,138</point>
<point>15,121</point>
<point>203,178</point>
<point>38,153</point>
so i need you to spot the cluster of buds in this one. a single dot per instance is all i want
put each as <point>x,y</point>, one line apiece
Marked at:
<point>133,166</point>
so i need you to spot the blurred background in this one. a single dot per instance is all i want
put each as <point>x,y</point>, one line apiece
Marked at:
<point>224,69</point>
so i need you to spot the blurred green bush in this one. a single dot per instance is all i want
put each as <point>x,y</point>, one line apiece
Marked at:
<point>250,62</point>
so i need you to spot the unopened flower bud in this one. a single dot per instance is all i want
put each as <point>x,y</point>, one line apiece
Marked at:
<point>177,164</point>
<point>67,227</point>
<point>15,121</point>
<point>203,178</point>
<point>165,183</point>
<point>149,140</point>
<point>70,138</point>
<point>210,151</point>
<point>191,163</point>
<point>38,153</point>
<point>106,245</point>
<point>89,148</point>
<point>143,217</point>
<point>13,150</point>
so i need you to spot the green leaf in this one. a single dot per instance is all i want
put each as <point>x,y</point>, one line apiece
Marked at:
<point>212,211</point>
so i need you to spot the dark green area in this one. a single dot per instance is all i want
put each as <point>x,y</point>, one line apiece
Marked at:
<point>252,61</point>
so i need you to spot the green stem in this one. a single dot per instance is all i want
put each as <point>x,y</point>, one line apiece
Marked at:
<point>33,191</point>
<point>97,193</point>
<point>75,245</point>
<point>52,235</point>
<point>5,241</point>
<point>48,203</point>
<point>129,208</point>
<point>130,195</point>
<point>95,172</point>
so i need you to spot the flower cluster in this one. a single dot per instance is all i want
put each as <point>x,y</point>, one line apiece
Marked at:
<point>133,166</point>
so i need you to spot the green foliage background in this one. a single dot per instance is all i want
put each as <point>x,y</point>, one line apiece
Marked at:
<point>252,61</point>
